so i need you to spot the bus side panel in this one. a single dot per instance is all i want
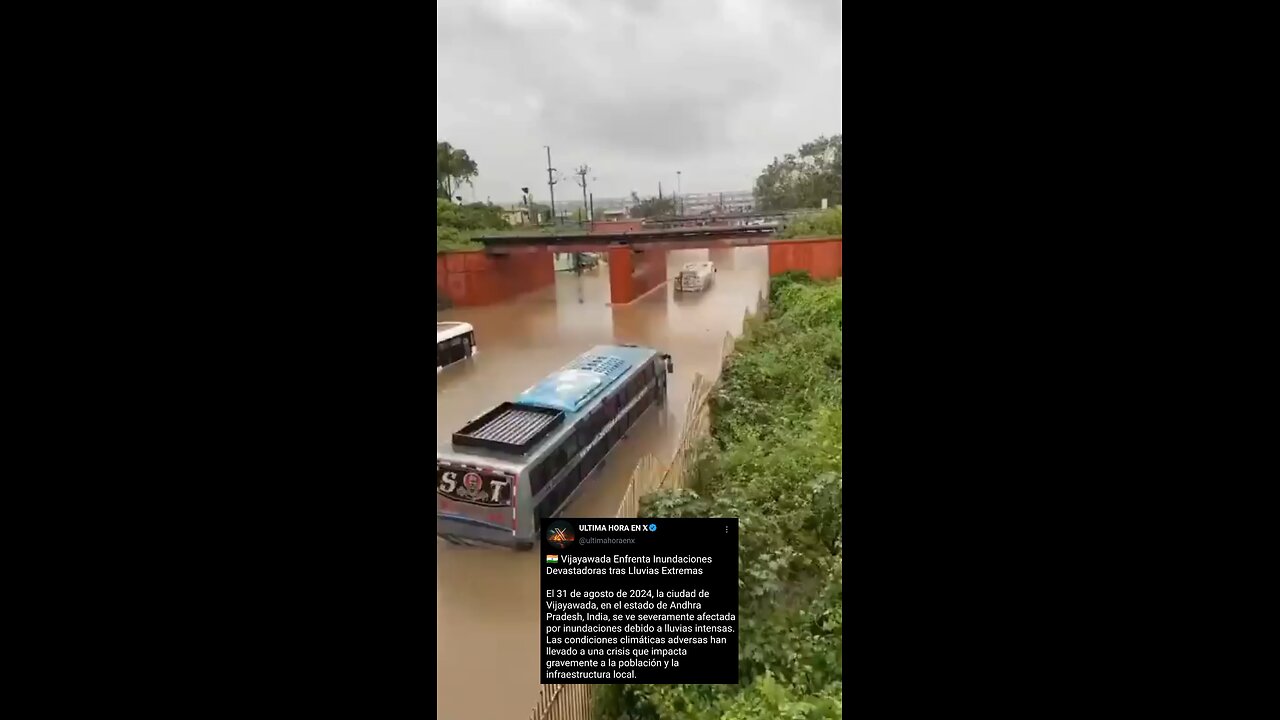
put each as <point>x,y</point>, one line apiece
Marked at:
<point>641,387</point>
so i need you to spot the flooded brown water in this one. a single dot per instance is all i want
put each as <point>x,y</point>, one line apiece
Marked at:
<point>487,600</point>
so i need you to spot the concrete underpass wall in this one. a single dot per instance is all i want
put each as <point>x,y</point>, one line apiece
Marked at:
<point>476,278</point>
<point>633,273</point>
<point>823,259</point>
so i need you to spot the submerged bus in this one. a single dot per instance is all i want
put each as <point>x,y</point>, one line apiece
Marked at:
<point>527,459</point>
<point>455,341</point>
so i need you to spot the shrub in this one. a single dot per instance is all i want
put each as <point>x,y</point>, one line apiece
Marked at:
<point>451,240</point>
<point>457,225</point>
<point>476,216</point>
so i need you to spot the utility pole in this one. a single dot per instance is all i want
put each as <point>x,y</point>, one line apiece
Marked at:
<point>551,183</point>
<point>581,172</point>
<point>591,207</point>
<point>679,199</point>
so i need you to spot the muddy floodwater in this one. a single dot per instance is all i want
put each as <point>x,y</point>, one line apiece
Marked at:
<point>487,600</point>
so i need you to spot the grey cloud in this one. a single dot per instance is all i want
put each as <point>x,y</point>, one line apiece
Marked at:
<point>636,89</point>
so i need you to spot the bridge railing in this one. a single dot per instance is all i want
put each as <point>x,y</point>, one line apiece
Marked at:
<point>576,702</point>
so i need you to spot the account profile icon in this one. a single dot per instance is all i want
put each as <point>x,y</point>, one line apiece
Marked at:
<point>560,534</point>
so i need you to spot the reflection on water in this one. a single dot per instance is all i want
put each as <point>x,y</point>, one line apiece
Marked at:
<point>724,258</point>
<point>487,600</point>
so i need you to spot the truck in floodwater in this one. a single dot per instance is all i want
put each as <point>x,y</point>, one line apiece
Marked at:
<point>696,277</point>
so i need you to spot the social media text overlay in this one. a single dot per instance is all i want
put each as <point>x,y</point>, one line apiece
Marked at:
<point>652,600</point>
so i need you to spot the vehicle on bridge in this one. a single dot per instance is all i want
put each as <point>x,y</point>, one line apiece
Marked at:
<point>455,341</point>
<point>696,276</point>
<point>527,459</point>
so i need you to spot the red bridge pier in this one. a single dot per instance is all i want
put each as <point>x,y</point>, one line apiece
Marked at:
<point>633,273</point>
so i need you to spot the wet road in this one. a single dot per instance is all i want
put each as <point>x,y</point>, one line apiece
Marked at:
<point>487,600</point>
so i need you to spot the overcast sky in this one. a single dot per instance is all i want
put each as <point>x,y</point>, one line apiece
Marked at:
<point>636,89</point>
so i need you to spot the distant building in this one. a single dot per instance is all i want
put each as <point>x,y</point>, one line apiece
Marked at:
<point>615,215</point>
<point>734,201</point>
<point>517,216</point>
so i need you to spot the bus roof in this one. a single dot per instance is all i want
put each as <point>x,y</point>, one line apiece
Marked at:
<point>574,389</point>
<point>447,330</point>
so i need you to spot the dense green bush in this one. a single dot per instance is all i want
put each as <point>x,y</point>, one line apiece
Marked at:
<point>828,222</point>
<point>457,225</point>
<point>452,239</point>
<point>775,463</point>
<point>475,216</point>
<point>779,283</point>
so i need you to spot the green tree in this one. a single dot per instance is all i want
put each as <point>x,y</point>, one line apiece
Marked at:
<point>804,179</point>
<point>652,206</point>
<point>454,167</point>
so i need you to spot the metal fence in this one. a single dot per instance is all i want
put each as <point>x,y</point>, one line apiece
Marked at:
<point>564,702</point>
<point>575,702</point>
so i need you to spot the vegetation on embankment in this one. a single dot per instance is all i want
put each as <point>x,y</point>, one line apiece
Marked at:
<point>459,226</point>
<point>774,462</point>
<point>825,223</point>
<point>456,225</point>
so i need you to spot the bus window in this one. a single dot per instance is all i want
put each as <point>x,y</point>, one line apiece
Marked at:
<point>573,476</point>
<point>555,462</point>
<point>594,455</point>
<point>537,478</point>
<point>571,447</point>
<point>554,498</point>
<point>587,431</point>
